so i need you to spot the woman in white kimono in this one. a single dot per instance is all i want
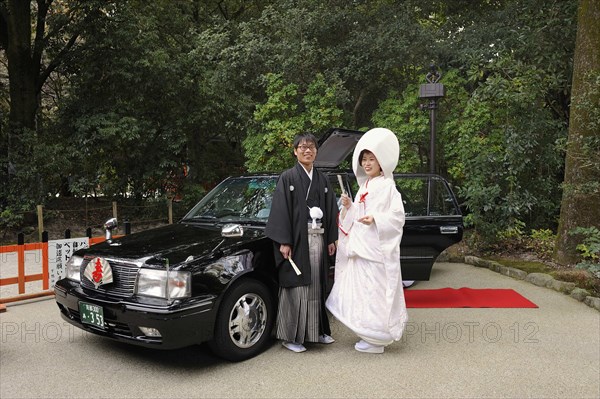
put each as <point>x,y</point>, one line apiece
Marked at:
<point>367,295</point>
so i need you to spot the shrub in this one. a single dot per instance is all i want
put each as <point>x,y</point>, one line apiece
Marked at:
<point>589,249</point>
<point>542,242</point>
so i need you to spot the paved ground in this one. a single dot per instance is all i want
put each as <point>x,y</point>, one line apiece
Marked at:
<point>550,352</point>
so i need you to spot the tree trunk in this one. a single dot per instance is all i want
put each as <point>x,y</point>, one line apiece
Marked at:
<point>580,203</point>
<point>22,71</point>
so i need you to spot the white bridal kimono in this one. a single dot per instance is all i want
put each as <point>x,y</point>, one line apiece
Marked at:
<point>367,295</point>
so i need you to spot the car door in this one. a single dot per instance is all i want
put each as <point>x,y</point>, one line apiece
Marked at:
<point>433,222</point>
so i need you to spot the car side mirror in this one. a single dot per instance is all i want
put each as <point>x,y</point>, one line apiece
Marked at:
<point>232,230</point>
<point>109,226</point>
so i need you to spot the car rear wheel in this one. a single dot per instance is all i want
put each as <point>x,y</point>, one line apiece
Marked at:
<point>244,322</point>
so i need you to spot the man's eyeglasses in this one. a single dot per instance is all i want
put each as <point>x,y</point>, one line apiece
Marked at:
<point>307,147</point>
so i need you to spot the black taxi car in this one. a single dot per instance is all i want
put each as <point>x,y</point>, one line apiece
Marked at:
<point>211,276</point>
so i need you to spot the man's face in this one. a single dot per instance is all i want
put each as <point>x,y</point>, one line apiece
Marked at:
<point>306,153</point>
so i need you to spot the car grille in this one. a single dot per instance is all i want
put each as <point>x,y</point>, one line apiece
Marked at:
<point>124,277</point>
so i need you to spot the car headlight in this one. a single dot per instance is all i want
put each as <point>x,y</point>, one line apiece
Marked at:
<point>153,282</point>
<point>73,268</point>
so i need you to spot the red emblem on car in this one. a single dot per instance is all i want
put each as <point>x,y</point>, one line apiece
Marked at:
<point>97,275</point>
<point>99,272</point>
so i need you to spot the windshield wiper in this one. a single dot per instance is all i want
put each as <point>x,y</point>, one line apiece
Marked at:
<point>244,222</point>
<point>198,218</point>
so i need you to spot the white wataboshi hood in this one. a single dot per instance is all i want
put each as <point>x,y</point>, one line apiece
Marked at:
<point>383,143</point>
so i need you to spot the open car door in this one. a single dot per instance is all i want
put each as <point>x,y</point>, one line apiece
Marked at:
<point>433,222</point>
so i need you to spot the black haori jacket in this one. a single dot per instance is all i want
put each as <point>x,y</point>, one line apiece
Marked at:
<point>289,219</point>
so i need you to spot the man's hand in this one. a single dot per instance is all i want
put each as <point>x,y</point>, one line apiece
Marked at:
<point>331,249</point>
<point>286,250</point>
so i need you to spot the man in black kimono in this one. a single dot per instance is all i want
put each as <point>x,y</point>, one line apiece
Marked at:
<point>303,226</point>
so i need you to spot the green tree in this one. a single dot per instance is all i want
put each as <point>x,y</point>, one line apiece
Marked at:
<point>136,102</point>
<point>508,148</point>
<point>369,46</point>
<point>38,39</point>
<point>402,114</point>
<point>286,113</point>
<point>516,59</point>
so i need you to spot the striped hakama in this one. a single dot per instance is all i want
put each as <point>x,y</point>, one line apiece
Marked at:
<point>299,307</point>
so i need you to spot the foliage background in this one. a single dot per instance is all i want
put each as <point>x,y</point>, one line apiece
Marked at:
<point>146,90</point>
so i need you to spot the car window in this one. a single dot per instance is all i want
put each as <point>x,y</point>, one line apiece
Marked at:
<point>425,196</point>
<point>241,198</point>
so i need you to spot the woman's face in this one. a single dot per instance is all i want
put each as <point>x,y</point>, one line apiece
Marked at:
<point>370,164</point>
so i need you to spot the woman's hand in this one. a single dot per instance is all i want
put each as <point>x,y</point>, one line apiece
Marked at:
<point>346,202</point>
<point>368,220</point>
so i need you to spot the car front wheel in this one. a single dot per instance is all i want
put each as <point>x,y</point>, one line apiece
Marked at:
<point>244,322</point>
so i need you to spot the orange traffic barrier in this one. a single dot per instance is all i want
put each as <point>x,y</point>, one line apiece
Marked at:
<point>23,278</point>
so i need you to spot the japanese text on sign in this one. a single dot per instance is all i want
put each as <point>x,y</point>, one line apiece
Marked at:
<point>59,252</point>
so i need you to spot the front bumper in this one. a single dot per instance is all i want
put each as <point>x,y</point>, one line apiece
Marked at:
<point>180,324</point>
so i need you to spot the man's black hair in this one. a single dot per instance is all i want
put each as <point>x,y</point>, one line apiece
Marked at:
<point>307,137</point>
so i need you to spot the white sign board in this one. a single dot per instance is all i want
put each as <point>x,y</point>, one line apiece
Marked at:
<point>59,252</point>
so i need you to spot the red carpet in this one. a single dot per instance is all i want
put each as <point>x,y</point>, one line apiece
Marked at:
<point>466,298</point>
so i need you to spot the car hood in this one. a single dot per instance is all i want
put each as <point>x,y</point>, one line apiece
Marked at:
<point>176,242</point>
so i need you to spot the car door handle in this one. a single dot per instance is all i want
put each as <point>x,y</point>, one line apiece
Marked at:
<point>448,229</point>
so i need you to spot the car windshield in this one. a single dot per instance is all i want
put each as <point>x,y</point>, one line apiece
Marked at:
<point>239,199</point>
